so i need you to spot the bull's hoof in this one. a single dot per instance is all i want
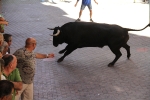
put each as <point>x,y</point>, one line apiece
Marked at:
<point>128,56</point>
<point>110,65</point>
<point>59,60</point>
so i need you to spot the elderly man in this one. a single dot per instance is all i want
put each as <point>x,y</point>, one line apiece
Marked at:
<point>11,72</point>
<point>26,65</point>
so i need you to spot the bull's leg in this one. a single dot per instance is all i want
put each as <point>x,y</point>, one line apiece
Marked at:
<point>62,51</point>
<point>127,47</point>
<point>118,55</point>
<point>69,50</point>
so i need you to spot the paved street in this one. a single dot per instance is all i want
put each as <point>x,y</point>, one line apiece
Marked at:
<point>83,75</point>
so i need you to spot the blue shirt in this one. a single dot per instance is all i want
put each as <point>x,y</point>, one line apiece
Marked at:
<point>86,2</point>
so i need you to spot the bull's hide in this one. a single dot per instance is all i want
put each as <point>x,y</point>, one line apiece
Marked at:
<point>88,34</point>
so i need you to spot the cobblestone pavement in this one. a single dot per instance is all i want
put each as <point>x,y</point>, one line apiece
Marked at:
<point>83,75</point>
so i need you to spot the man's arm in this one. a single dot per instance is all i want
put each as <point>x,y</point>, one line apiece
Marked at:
<point>17,85</point>
<point>4,23</point>
<point>96,2</point>
<point>42,56</point>
<point>17,80</point>
<point>76,3</point>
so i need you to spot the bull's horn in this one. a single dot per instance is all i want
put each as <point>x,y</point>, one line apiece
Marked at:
<point>58,32</point>
<point>50,28</point>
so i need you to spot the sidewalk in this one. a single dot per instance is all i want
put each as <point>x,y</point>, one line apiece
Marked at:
<point>83,75</point>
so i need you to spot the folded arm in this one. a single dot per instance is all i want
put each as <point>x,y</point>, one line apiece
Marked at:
<point>18,85</point>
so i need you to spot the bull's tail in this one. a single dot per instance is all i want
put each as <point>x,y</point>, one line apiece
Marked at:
<point>137,29</point>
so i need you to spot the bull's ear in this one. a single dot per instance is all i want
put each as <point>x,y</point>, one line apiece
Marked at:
<point>50,28</point>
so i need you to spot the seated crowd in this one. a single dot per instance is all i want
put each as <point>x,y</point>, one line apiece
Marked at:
<point>17,70</point>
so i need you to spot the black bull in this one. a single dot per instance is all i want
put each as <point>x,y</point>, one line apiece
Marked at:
<point>87,34</point>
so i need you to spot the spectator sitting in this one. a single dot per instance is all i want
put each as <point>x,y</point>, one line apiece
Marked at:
<point>8,39</point>
<point>12,73</point>
<point>6,90</point>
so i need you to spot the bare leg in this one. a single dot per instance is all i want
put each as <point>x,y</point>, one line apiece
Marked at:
<point>91,14</point>
<point>80,13</point>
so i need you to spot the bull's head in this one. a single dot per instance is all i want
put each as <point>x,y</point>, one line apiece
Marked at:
<point>56,36</point>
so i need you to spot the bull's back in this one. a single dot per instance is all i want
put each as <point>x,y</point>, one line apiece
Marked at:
<point>86,29</point>
<point>93,28</point>
<point>93,34</point>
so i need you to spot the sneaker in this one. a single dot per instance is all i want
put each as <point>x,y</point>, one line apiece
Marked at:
<point>78,20</point>
<point>91,20</point>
